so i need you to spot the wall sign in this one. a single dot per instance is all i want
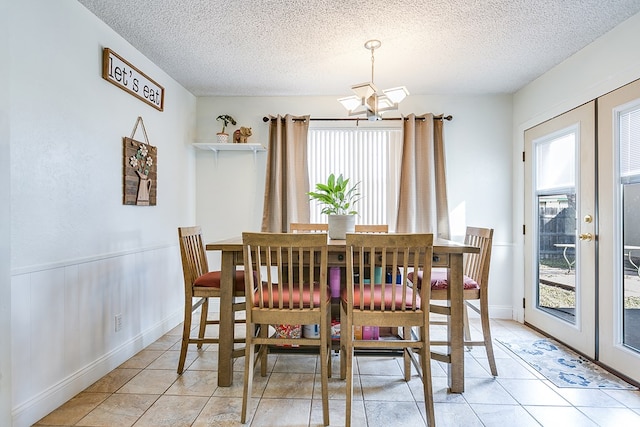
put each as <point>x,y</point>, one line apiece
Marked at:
<point>121,73</point>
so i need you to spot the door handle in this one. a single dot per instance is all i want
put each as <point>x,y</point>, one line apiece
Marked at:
<point>586,237</point>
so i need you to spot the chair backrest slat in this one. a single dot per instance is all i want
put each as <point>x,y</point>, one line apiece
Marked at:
<point>284,261</point>
<point>384,258</point>
<point>476,266</point>
<point>301,227</point>
<point>194,258</point>
<point>371,228</point>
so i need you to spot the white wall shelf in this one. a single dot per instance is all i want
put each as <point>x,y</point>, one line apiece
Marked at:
<point>216,147</point>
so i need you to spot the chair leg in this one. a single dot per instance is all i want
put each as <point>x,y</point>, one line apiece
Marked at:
<point>325,351</point>
<point>488,341</point>
<point>186,333</point>
<point>427,386</point>
<point>406,333</point>
<point>343,353</point>
<point>264,350</point>
<point>329,342</point>
<point>467,330</point>
<point>204,313</point>
<point>348,359</point>
<point>248,372</point>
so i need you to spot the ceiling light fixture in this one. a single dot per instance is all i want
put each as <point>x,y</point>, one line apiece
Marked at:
<point>367,99</point>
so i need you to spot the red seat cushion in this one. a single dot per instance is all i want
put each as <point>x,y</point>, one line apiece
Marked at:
<point>377,296</point>
<point>439,280</point>
<point>286,297</point>
<point>212,280</point>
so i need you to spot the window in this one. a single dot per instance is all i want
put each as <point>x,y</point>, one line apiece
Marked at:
<point>629,137</point>
<point>628,134</point>
<point>370,156</point>
<point>555,186</point>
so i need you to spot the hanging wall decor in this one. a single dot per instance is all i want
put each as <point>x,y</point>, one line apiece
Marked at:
<point>140,163</point>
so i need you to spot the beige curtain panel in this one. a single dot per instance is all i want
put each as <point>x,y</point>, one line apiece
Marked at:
<point>423,205</point>
<point>287,178</point>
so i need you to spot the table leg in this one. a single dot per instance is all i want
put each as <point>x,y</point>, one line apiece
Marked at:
<point>226,330</point>
<point>455,329</point>
<point>564,253</point>
<point>633,263</point>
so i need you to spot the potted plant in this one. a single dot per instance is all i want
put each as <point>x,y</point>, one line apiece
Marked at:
<point>226,119</point>
<point>338,200</point>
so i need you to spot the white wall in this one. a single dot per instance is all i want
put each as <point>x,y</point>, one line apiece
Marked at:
<point>611,61</point>
<point>5,221</point>
<point>78,255</point>
<point>478,148</point>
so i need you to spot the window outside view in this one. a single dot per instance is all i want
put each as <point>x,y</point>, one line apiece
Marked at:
<point>556,202</point>
<point>629,146</point>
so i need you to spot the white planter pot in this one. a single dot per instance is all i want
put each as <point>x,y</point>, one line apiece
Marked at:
<point>223,138</point>
<point>340,225</point>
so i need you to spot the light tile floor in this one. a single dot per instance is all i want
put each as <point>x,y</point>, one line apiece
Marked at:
<point>146,391</point>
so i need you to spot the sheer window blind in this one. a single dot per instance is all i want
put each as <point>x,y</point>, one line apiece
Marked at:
<point>555,156</point>
<point>369,156</point>
<point>629,140</point>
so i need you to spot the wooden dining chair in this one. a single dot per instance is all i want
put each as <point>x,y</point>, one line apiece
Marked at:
<point>476,288</point>
<point>387,304</point>
<point>200,284</point>
<point>291,288</point>
<point>301,227</point>
<point>372,228</point>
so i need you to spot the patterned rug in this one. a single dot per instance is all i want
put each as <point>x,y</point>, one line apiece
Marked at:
<point>564,367</point>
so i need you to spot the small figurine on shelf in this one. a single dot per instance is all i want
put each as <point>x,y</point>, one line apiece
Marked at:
<point>241,135</point>
<point>226,119</point>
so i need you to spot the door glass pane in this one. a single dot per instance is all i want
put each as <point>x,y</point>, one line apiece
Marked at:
<point>556,222</point>
<point>631,265</point>
<point>629,143</point>
<point>557,255</point>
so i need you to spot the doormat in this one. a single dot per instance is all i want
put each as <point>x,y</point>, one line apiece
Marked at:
<point>562,366</point>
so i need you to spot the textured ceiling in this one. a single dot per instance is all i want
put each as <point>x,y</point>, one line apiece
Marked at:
<point>316,47</point>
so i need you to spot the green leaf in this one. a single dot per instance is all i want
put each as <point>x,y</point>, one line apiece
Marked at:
<point>336,195</point>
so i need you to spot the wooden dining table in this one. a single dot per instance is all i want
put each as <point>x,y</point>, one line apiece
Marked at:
<point>446,253</point>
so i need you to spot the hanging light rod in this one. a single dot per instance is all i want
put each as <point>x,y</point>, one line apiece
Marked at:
<point>341,119</point>
<point>367,99</point>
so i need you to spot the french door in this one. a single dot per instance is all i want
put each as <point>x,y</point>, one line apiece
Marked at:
<point>560,224</point>
<point>582,219</point>
<point>619,229</point>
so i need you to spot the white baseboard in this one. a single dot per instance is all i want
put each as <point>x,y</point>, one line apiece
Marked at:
<point>496,312</point>
<point>43,403</point>
<point>501,312</point>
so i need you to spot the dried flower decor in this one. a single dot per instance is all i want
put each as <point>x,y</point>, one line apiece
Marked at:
<point>142,161</point>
